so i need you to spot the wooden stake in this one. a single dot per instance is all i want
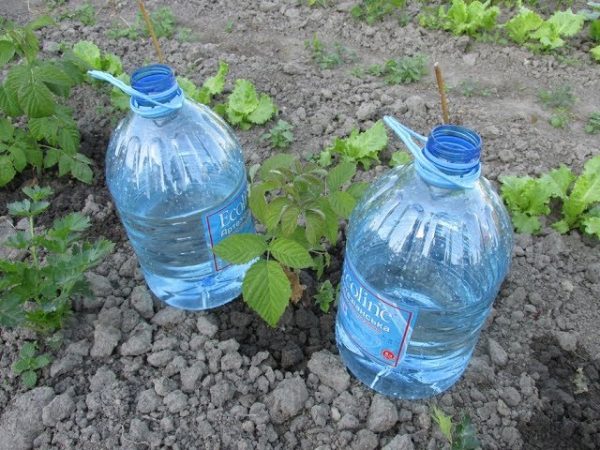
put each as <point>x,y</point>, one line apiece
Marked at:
<point>442,89</point>
<point>161,58</point>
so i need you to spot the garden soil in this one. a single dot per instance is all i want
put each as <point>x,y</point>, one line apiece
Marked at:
<point>133,374</point>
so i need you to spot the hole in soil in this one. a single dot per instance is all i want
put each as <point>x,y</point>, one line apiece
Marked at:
<point>567,420</point>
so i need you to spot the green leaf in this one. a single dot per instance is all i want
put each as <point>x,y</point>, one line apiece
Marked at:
<point>36,99</point>
<point>264,111</point>
<point>41,361</point>
<point>82,171</point>
<point>29,378</point>
<point>243,100</point>
<point>51,74</point>
<point>6,130</point>
<point>586,191</point>
<point>20,209</point>
<point>526,224</point>
<point>267,290</point>
<point>7,51</point>
<point>591,225</point>
<point>566,23</point>
<point>465,435</point>
<point>241,248</point>
<point>7,170</point>
<point>315,227</point>
<point>325,296</point>
<point>444,422</point>
<point>371,141</point>
<point>274,163</point>
<point>28,350</point>
<point>89,53</point>
<point>275,209</point>
<point>342,203</point>
<point>112,64</point>
<point>520,27</point>
<point>289,220</point>
<point>400,158</point>
<point>340,174</point>
<point>41,22</point>
<point>556,183</point>
<point>9,102</point>
<point>595,52</point>
<point>21,365</point>
<point>357,190</point>
<point>18,156</point>
<point>37,193</point>
<point>216,84</point>
<point>291,254</point>
<point>11,311</point>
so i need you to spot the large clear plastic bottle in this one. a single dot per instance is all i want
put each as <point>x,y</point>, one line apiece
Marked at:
<point>176,173</point>
<point>424,260</point>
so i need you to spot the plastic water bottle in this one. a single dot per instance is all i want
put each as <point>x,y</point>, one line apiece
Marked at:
<point>176,173</point>
<point>428,248</point>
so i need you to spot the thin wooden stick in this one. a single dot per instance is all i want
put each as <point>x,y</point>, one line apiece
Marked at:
<point>442,89</point>
<point>146,16</point>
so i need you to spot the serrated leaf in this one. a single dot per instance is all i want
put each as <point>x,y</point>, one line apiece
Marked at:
<point>278,161</point>
<point>50,73</point>
<point>21,365</point>
<point>9,102</point>
<point>557,182</point>
<point>289,220</point>
<point>275,209</point>
<point>400,158</point>
<point>65,163</point>
<point>566,23</point>
<point>520,27</point>
<point>315,227</point>
<point>11,311</point>
<point>357,190</point>
<point>7,130</point>
<point>591,225</point>
<point>267,290</point>
<point>29,378</point>
<point>340,174</point>
<point>41,22</point>
<point>36,99</point>
<point>7,170</point>
<point>290,253</point>
<point>112,64</point>
<point>444,422</point>
<point>19,157</point>
<point>243,100</point>
<point>342,203</point>
<point>41,361</point>
<point>7,51</point>
<point>89,53</point>
<point>595,52</point>
<point>325,296</point>
<point>82,171</point>
<point>241,248</point>
<point>526,224</point>
<point>216,84</point>
<point>37,193</point>
<point>28,350</point>
<point>264,111</point>
<point>68,140</point>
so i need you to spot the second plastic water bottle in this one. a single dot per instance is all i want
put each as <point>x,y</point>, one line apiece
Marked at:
<point>176,173</point>
<point>427,250</point>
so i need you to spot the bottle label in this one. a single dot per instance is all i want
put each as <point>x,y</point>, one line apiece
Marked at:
<point>231,218</point>
<point>375,324</point>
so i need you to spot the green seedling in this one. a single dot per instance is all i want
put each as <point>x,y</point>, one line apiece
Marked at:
<point>281,135</point>
<point>460,436</point>
<point>593,124</point>
<point>299,205</point>
<point>471,88</point>
<point>325,297</point>
<point>408,69</point>
<point>245,107</point>
<point>529,198</point>
<point>326,57</point>
<point>470,18</point>
<point>372,11</point>
<point>36,290</point>
<point>163,21</point>
<point>86,14</point>
<point>363,148</point>
<point>29,363</point>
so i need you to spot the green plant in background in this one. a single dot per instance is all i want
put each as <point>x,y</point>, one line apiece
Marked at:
<point>281,135</point>
<point>593,124</point>
<point>462,17</point>
<point>363,148</point>
<point>29,363</point>
<point>86,14</point>
<point>529,198</point>
<point>212,85</point>
<point>162,19</point>
<point>472,88</point>
<point>245,107</point>
<point>299,205</point>
<point>327,58</point>
<point>37,289</point>
<point>320,3</point>
<point>37,130</point>
<point>325,296</point>
<point>460,436</point>
<point>400,158</point>
<point>561,100</point>
<point>408,69</point>
<point>548,34</point>
<point>372,11</point>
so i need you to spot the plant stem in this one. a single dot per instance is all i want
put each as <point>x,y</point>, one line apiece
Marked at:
<point>144,12</point>
<point>442,89</point>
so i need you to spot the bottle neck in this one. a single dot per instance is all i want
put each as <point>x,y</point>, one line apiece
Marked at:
<point>158,82</point>
<point>453,150</point>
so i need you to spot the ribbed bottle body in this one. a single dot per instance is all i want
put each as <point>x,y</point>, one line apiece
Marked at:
<point>422,267</point>
<point>179,186</point>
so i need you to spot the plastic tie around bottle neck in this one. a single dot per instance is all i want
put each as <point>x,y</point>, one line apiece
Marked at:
<point>449,158</point>
<point>154,92</point>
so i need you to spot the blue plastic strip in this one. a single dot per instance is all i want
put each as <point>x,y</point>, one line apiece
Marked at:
<point>159,110</point>
<point>428,166</point>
